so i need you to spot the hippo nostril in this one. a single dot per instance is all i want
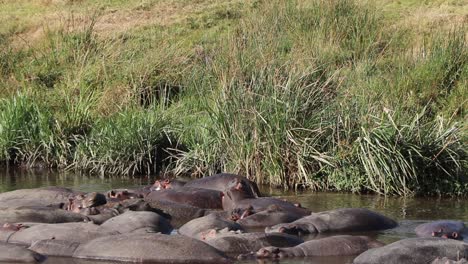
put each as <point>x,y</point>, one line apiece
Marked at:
<point>282,229</point>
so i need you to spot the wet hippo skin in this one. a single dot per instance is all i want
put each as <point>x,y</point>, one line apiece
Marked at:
<point>442,228</point>
<point>330,246</point>
<point>414,251</point>
<point>339,220</point>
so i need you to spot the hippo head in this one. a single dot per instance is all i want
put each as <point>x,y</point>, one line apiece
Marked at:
<point>271,252</point>
<point>166,184</point>
<point>449,235</point>
<point>237,190</point>
<point>82,201</point>
<point>93,199</point>
<point>123,195</point>
<point>240,213</point>
<point>13,227</point>
<point>160,185</point>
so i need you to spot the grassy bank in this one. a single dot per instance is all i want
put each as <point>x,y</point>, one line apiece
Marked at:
<point>327,95</point>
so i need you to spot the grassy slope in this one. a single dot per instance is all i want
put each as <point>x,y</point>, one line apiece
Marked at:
<point>320,94</point>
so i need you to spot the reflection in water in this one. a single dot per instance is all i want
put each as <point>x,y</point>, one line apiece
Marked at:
<point>410,212</point>
<point>13,179</point>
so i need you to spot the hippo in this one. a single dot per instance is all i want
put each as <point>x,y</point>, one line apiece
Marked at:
<point>74,232</point>
<point>42,197</point>
<point>138,247</point>
<point>180,213</point>
<point>220,181</point>
<point>83,201</point>
<point>133,221</point>
<point>237,196</point>
<point>446,260</point>
<point>273,215</point>
<point>41,215</point>
<point>123,194</point>
<point>414,250</point>
<point>339,220</point>
<point>17,254</point>
<point>197,197</point>
<point>344,245</point>
<point>231,242</point>
<point>169,184</point>
<point>102,213</point>
<point>442,228</point>
<point>196,228</point>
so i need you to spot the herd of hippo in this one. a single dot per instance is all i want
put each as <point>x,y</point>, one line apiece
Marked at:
<point>219,219</point>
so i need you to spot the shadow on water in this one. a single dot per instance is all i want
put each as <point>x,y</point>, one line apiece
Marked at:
<point>409,212</point>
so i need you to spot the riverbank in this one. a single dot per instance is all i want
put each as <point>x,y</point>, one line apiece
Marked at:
<point>325,95</point>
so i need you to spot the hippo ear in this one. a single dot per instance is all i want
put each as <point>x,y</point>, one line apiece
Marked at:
<point>157,184</point>
<point>253,191</point>
<point>455,235</point>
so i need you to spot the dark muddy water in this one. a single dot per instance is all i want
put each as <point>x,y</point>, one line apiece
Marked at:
<point>409,212</point>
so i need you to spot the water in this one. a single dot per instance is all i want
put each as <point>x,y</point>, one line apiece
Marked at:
<point>409,212</point>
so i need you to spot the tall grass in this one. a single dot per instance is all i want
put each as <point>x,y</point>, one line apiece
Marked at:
<point>325,95</point>
<point>302,96</point>
<point>27,134</point>
<point>421,156</point>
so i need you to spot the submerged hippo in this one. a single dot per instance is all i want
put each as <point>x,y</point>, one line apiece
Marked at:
<point>238,243</point>
<point>331,246</point>
<point>238,196</point>
<point>273,215</point>
<point>442,228</point>
<point>220,181</point>
<point>339,220</point>
<point>138,221</point>
<point>179,213</point>
<point>136,247</point>
<point>169,184</point>
<point>40,215</point>
<point>201,198</point>
<point>83,201</point>
<point>45,196</point>
<point>414,250</point>
<point>198,227</point>
<point>123,194</point>
<point>74,232</point>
